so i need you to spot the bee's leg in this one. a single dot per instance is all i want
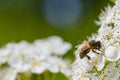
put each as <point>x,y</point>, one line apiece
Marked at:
<point>101,50</point>
<point>87,57</point>
<point>95,51</point>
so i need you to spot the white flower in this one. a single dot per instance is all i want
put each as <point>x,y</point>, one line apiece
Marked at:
<point>52,45</point>
<point>100,62</point>
<point>43,54</point>
<point>37,57</point>
<point>56,64</point>
<point>112,71</point>
<point>80,67</point>
<point>64,66</point>
<point>57,46</point>
<point>112,53</point>
<point>38,66</point>
<point>4,56</point>
<point>21,56</point>
<point>19,62</point>
<point>41,47</point>
<point>106,64</point>
<point>8,74</point>
<point>105,32</point>
<point>52,64</point>
<point>106,16</point>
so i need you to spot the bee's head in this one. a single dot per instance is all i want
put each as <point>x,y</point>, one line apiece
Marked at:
<point>98,44</point>
<point>94,43</point>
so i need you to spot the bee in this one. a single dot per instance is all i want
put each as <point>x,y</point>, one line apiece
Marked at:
<point>85,48</point>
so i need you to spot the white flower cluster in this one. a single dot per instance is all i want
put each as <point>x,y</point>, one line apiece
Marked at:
<point>106,65</point>
<point>43,54</point>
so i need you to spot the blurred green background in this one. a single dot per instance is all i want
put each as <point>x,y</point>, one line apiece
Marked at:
<point>30,19</point>
<point>25,19</point>
<point>73,20</point>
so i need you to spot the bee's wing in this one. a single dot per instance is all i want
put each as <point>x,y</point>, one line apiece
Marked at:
<point>77,46</point>
<point>81,45</point>
<point>78,51</point>
<point>80,48</point>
